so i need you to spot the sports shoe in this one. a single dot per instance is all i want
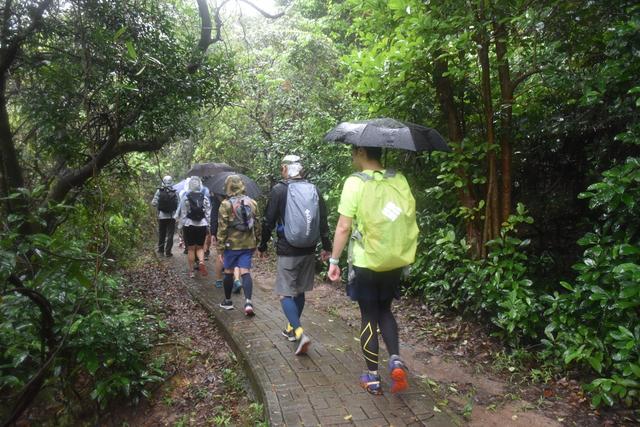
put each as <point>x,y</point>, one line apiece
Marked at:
<point>303,345</point>
<point>192,274</point>
<point>218,284</point>
<point>291,335</point>
<point>203,269</point>
<point>227,304</point>
<point>237,285</point>
<point>248,309</point>
<point>398,371</point>
<point>371,383</point>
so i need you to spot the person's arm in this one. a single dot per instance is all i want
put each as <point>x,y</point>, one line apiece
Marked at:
<point>340,239</point>
<point>156,196</point>
<point>257,226</point>
<point>207,209</point>
<point>271,215</point>
<point>223,217</point>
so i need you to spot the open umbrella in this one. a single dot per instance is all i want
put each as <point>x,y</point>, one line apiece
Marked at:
<point>388,133</point>
<point>215,184</point>
<point>208,169</point>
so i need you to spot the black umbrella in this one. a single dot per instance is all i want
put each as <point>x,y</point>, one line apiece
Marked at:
<point>215,184</point>
<point>388,133</point>
<point>208,169</point>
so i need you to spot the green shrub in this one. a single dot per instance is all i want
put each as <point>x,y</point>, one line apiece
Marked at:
<point>104,339</point>
<point>596,325</point>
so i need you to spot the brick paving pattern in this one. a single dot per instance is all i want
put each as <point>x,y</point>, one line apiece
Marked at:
<point>320,388</point>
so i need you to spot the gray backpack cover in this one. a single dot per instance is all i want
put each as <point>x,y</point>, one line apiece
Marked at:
<point>302,214</point>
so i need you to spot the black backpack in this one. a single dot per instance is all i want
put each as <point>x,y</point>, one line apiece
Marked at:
<point>196,206</point>
<point>243,215</point>
<point>167,200</point>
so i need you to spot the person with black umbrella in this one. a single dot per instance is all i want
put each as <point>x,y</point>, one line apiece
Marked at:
<point>377,210</point>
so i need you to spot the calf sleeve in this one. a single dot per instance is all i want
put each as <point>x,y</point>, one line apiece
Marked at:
<point>290,310</point>
<point>247,285</point>
<point>299,300</point>
<point>227,282</point>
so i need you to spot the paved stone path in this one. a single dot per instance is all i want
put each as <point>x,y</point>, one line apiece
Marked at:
<point>320,388</point>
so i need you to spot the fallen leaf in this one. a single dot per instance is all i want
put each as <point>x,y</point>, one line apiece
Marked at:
<point>348,417</point>
<point>436,409</point>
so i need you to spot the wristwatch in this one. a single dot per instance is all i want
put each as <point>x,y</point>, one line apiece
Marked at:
<point>334,261</point>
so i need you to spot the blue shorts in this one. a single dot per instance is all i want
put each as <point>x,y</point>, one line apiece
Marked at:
<point>233,258</point>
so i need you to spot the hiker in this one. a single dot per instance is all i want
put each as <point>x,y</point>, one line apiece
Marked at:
<point>237,237</point>
<point>297,211</point>
<point>166,200</point>
<point>216,200</point>
<point>194,213</point>
<point>378,210</point>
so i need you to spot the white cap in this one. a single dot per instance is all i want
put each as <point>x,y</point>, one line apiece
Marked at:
<point>167,180</point>
<point>294,167</point>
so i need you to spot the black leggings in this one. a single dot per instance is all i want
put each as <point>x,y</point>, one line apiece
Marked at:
<point>377,314</point>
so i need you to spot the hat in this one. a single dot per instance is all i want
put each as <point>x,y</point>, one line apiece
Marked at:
<point>294,167</point>
<point>233,185</point>
<point>167,180</point>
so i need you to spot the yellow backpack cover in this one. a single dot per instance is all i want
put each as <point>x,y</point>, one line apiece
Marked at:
<point>386,225</point>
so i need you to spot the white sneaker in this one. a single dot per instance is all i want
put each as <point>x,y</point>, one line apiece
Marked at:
<point>303,345</point>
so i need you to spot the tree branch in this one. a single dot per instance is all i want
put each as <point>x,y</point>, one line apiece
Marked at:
<point>262,12</point>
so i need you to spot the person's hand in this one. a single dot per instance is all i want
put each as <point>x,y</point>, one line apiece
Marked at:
<point>334,273</point>
<point>325,255</point>
<point>221,259</point>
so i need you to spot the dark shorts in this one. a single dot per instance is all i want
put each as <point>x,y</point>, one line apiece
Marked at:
<point>369,285</point>
<point>233,258</point>
<point>194,236</point>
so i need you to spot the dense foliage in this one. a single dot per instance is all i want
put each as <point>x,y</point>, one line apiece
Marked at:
<point>530,224</point>
<point>538,101</point>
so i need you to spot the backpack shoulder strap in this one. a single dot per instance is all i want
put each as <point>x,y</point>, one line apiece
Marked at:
<point>363,176</point>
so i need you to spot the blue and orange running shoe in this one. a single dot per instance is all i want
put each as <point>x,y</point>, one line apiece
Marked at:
<point>371,383</point>
<point>398,372</point>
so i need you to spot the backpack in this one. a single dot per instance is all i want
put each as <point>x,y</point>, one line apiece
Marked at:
<point>302,214</point>
<point>243,214</point>
<point>195,200</point>
<point>167,200</point>
<point>386,222</point>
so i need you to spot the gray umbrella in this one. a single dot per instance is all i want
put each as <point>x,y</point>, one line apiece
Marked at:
<point>388,133</point>
<point>208,169</point>
<point>216,184</point>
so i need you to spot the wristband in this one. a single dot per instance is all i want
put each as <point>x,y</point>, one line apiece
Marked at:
<point>334,261</point>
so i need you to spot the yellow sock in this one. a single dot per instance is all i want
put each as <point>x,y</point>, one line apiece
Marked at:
<point>299,332</point>
<point>289,327</point>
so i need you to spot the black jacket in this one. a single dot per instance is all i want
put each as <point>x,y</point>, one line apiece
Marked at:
<point>274,215</point>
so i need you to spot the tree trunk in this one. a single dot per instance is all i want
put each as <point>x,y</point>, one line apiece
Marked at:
<point>444,89</point>
<point>492,221</point>
<point>506,114</point>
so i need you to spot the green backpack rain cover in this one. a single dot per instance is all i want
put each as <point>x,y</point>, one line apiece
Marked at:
<point>386,222</point>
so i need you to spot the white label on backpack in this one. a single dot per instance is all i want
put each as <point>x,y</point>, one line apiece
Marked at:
<point>391,211</point>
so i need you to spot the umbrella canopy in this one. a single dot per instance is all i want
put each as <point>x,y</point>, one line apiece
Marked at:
<point>215,184</point>
<point>388,133</point>
<point>208,169</point>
